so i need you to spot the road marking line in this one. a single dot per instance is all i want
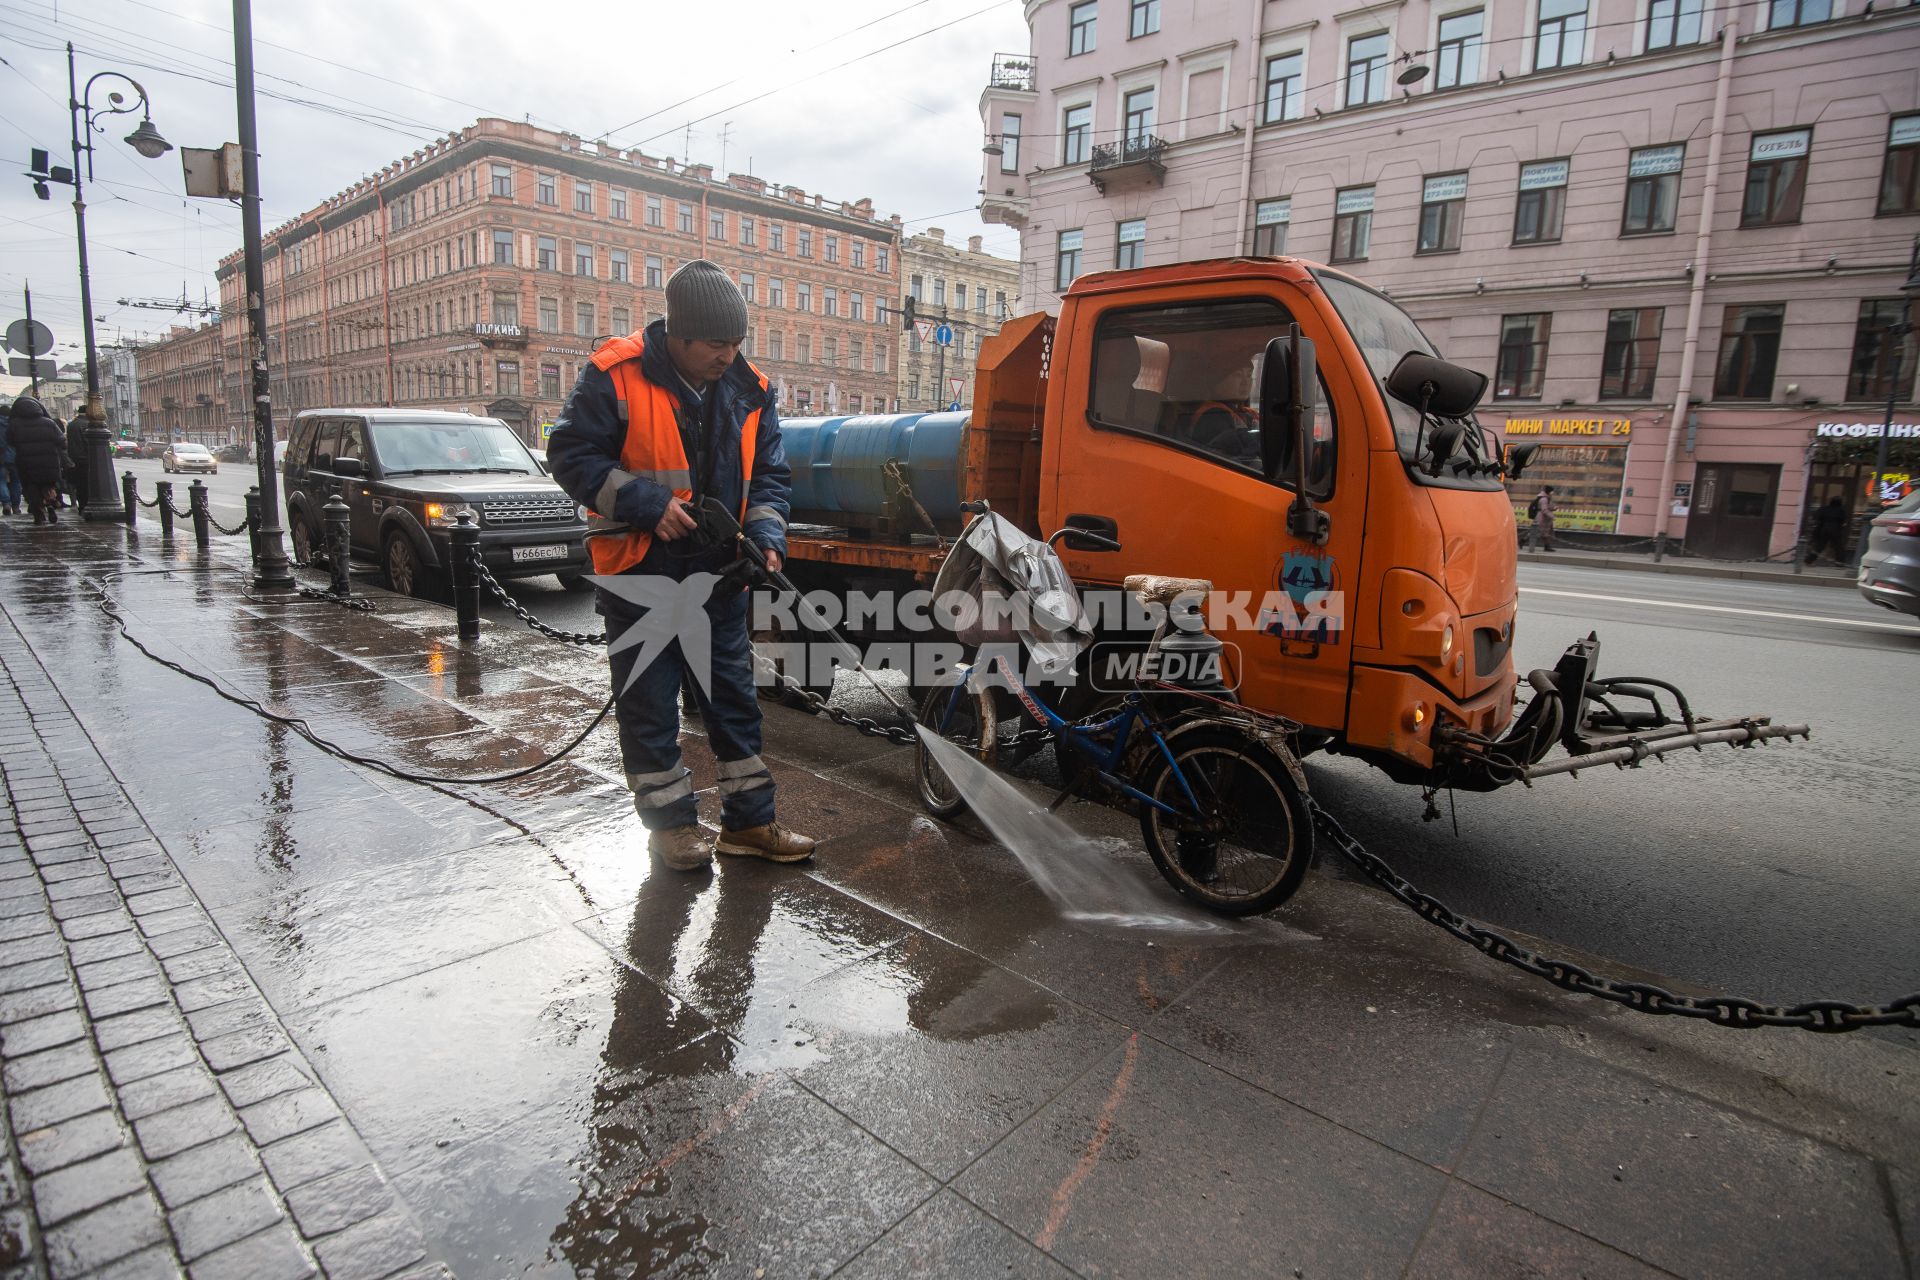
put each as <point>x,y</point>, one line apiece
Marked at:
<point>1725,608</point>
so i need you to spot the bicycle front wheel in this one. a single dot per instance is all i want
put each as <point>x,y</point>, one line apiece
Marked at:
<point>1238,839</point>
<point>968,724</point>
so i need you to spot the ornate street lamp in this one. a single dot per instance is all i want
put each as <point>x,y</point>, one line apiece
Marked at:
<point>103,495</point>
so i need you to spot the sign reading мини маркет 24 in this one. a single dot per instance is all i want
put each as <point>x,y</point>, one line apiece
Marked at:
<point>1568,427</point>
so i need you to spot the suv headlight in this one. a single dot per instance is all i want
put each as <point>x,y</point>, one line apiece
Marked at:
<point>580,512</point>
<point>444,515</point>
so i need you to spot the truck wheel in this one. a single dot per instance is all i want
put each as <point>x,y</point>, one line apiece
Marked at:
<point>969,729</point>
<point>405,573</point>
<point>1238,839</point>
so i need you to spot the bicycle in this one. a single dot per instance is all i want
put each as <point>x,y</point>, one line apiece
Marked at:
<point>1220,796</point>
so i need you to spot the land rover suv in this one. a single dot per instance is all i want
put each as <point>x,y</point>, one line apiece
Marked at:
<point>407,475</point>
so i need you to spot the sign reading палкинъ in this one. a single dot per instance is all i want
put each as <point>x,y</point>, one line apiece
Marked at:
<point>1568,427</point>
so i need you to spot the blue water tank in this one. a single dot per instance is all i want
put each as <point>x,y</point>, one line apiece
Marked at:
<point>839,464</point>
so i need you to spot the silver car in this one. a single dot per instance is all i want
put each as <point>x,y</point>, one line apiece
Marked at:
<point>1890,570</point>
<point>183,455</point>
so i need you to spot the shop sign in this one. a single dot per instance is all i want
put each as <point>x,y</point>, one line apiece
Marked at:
<point>1782,146</point>
<point>1269,213</point>
<point>1452,186</point>
<point>1546,173</point>
<point>497,330</point>
<point>1868,430</point>
<point>1651,162</point>
<point>1569,427</point>
<point>1358,200</point>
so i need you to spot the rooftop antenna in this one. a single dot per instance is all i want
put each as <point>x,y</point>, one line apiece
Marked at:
<point>727,125</point>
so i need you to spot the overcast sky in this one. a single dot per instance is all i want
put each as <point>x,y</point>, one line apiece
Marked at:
<point>350,85</point>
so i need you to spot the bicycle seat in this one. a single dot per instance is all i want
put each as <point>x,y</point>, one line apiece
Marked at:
<point>1154,588</point>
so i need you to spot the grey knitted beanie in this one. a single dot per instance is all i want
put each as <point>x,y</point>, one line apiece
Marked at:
<point>703,303</point>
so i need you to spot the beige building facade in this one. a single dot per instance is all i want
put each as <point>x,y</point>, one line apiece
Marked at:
<point>960,296</point>
<point>182,389</point>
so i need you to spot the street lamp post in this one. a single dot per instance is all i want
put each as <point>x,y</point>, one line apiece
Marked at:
<point>103,495</point>
<point>1897,339</point>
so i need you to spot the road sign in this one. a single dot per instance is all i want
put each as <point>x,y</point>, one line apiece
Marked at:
<point>29,337</point>
<point>20,367</point>
<point>954,407</point>
<point>924,330</point>
<point>546,431</point>
<point>956,386</point>
<point>944,335</point>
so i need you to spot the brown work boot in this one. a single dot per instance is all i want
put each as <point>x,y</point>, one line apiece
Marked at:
<point>772,842</point>
<point>682,848</point>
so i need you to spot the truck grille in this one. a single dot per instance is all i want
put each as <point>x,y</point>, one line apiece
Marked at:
<point>511,512</point>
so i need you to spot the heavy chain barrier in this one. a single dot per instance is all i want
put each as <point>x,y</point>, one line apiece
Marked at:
<point>486,579</point>
<point>240,528</point>
<point>1725,1011</point>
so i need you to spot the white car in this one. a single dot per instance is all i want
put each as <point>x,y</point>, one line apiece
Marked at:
<point>183,455</point>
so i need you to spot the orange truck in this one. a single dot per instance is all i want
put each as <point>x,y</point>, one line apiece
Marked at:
<point>1182,410</point>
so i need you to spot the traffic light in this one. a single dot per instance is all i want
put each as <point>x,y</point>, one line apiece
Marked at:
<point>906,313</point>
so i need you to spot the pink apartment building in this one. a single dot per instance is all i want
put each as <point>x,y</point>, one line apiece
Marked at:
<point>1658,225</point>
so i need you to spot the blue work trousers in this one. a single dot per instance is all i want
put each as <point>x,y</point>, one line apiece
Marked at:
<point>648,712</point>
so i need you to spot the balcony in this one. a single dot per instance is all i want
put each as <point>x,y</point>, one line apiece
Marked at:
<point>1012,71</point>
<point>1134,162</point>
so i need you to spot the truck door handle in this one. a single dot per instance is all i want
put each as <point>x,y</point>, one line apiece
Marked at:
<point>1105,526</point>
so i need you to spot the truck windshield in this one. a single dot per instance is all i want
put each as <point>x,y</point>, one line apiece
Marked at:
<point>1384,333</point>
<point>435,446</point>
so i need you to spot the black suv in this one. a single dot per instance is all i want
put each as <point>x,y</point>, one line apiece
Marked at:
<point>407,475</point>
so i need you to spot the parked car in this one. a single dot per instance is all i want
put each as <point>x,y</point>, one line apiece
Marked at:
<point>184,455</point>
<point>1890,569</point>
<point>152,448</point>
<point>232,453</point>
<point>408,475</point>
<point>125,449</point>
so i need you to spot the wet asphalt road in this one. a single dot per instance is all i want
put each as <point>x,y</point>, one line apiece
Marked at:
<point>226,488</point>
<point>1781,873</point>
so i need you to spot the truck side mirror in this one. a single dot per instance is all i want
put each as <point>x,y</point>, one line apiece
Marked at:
<point>1432,385</point>
<point>1289,393</point>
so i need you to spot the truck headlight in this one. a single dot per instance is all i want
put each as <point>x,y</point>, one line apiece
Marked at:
<point>446,515</point>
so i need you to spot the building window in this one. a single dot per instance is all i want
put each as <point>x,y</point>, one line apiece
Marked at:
<point>1130,247</point>
<point>746,286</point>
<point>1749,346</point>
<point>879,357</point>
<point>503,248</point>
<point>1900,177</point>
<point>1080,22</point>
<point>1066,260</point>
<point>502,181</point>
<point>776,345</point>
<point>833,248</point>
<point>506,377</point>
<point>913,386</point>
<point>856,358</point>
<point>830,352</point>
<point>1632,353</point>
<point>1562,36</point>
<point>547,257</point>
<point>583,319</point>
<point>1286,89</point>
<point>854,401</point>
<point>1776,178</point>
<point>803,296</point>
<point>549,382</point>
<point>1009,154</point>
<point>881,263</point>
<point>656,273</point>
<point>830,302</point>
<point>619,269</point>
<point>746,231</point>
<point>805,235</point>
<point>583,197</point>
<point>622,320</point>
<point>1541,208</point>
<point>582,259</point>
<point>1798,13</point>
<point>1871,375</point>
<point>546,189</point>
<point>654,216</point>
<point>716,225</point>
<point>1270,221</point>
<point>776,292</point>
<point>1352,224</point>
<point>1367,69</point>
<point>549,312</point>
<point>804,349</point>
<point>1673,22</point>
<point>960,296</point>
<point>1143,18</point>
<point>617,204</point>
<point>939,291</point>
<point>1077,135</point>
<point>856,306</point>
<point>686,219</point>
<point>859,253</point>
<point>1523,356</point>
<point>1443,206</point>
<point>1653,189</point>
<point>917,288</point>
<point>1458,57</point>
<point>1138,117</point>
<point>777,237</point>
<point>980,301</point>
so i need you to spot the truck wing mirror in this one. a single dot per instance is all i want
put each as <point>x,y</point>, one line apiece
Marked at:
<point>1289,393</point>
<point>1432,385</point>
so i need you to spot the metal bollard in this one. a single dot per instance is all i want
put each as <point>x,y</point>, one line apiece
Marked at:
<point>338,518</point>
<point>130,496</point>
<point>466,584</point>
<point>164,488</point>
<point>197,503</point>
<point>253,523</point>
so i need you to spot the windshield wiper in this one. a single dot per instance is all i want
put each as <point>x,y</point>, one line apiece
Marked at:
<point>423,471</point>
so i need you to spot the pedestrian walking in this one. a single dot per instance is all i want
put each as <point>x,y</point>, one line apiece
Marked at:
<point>10,491</point>
<point>1829,531</point>
<point>77,458</point>
<point>39,452</point>
<point>657,421</point>
<point>1541,512</point>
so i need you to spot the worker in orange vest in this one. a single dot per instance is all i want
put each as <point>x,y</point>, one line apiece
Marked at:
<point>658,421</point>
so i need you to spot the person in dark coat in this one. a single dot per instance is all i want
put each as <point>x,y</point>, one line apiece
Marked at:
<point>39,452</point>
<point>77,459</point>
<point>1829,531</point>
<point>9,477</point>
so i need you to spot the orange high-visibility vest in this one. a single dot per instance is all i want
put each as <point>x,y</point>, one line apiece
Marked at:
<point>652,450</point>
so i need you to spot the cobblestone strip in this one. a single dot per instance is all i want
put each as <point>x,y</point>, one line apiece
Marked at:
<point>158,1120</point>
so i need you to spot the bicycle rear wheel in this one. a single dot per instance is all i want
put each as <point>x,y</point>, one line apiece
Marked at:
<point>971,728</point>
<point>1240,842</point>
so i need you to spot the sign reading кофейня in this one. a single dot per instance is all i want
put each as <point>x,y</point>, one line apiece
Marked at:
<point>1568,427</point>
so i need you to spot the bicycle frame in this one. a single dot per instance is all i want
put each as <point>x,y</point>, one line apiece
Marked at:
<point>1132,715</point>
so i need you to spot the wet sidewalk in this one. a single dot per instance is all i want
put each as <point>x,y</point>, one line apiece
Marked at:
<point>1823,574</point>
<point>395,1029</point>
